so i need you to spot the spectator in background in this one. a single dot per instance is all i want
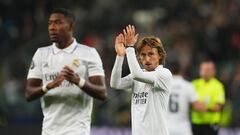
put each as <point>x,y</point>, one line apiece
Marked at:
<point>211,93</point>
<point>183,96</point>
<point>65,75</point>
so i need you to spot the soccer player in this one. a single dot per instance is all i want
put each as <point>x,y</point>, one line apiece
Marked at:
<point>182,97</point>
<point>150,86</point>
<point>211,93</point>
<point>65,75</point>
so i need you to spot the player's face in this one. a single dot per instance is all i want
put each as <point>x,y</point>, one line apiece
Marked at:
<point>58,27</point>
<point>149,57</point>
<point>207,70</point>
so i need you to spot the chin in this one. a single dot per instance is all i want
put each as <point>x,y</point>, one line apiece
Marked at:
<point>149,69</point>
<point>53,40</point>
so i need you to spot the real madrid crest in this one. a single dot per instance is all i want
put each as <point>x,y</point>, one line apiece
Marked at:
<point>75,63</point>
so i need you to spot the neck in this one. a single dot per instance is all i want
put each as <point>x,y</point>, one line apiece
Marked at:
<point>207,79</point>
<point>65,43</point>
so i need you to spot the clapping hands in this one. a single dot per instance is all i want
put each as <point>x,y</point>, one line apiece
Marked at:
<point>128,38</point>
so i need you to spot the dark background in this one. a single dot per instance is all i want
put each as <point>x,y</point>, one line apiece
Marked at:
<point>191,30</point>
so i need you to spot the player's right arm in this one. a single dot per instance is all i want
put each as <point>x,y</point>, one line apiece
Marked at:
<point>199,106</point>
<point>116,81</point>
<point>34,84</point>
<point>196,104</point>
<point>35,89</point>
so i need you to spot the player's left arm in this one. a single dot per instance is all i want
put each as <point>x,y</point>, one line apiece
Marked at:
<point>219,99</point>
<point>216,107</point>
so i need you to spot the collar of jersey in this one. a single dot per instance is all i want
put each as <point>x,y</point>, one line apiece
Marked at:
<point>69,49</point>
<point>158,67</point>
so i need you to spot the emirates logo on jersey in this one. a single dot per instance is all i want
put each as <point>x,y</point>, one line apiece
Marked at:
<point>140,97</point>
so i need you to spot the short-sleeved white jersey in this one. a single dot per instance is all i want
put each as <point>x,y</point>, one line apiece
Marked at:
<point>181,96</point>
<point>150,95</point>
<point>66,109</point>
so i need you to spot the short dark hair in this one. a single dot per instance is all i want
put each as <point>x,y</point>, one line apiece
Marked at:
<point>153,42</point>
<point>67,13</point>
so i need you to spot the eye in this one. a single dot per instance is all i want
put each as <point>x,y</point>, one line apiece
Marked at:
<point>142,54</point>
<point>150,53</point>
<point>58,22</point>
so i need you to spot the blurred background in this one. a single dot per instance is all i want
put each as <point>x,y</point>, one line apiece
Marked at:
<point>191,30</point>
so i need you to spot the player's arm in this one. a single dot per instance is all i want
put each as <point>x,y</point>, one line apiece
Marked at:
<point>219,100</point>
<point>216,107</point>
<point>95,86</point>
<point>199,106</point>
<point>196,104</point>
<point>116,80</point>
<point>35,89</point>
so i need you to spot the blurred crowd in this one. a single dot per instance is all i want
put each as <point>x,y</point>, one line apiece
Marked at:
<point>191,30</point>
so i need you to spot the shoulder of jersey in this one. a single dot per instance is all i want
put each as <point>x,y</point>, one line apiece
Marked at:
<point>218,82</point>
<point>166,70</point>
<point>45,48</point>
<point>79,46</point>
<point>188,83</point>
<point>84,47</point>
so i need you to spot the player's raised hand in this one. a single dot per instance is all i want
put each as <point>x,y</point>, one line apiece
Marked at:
<point>70,75</point>
<point>119,45</point>
<point>130,35</point>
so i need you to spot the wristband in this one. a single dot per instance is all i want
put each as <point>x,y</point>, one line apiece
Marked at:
<point>81,82</point>
<point>129,46</point>
<point>44,88</point>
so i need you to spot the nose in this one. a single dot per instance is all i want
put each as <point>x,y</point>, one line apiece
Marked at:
<point>147,58</point>
<point>51,27</point>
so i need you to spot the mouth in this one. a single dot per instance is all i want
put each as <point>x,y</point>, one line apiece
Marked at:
<point>53,36</point>
<point>148,64</point>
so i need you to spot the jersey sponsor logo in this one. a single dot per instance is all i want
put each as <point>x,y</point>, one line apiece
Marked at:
<point>51,77</point>
<point>140,97</point>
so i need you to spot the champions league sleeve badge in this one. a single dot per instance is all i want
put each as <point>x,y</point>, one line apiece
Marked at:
<point>32,66</point>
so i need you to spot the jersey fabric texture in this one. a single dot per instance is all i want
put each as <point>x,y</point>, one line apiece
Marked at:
<point>150,94</point>
<point>210,93</point>
<point>66,109</point>
<point>181,96</point>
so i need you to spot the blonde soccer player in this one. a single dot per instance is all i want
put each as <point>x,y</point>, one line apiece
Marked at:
<point>149,86</point>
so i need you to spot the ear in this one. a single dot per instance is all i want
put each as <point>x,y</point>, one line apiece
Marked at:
<point>71,26</point>
<point>160,58</point>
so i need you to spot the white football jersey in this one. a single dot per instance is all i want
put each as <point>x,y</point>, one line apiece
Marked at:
<point>66,109</point>
<point>181,96</point>
<point>150,95</point>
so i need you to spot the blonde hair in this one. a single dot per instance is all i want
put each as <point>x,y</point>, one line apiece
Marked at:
<point>153,42</point>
